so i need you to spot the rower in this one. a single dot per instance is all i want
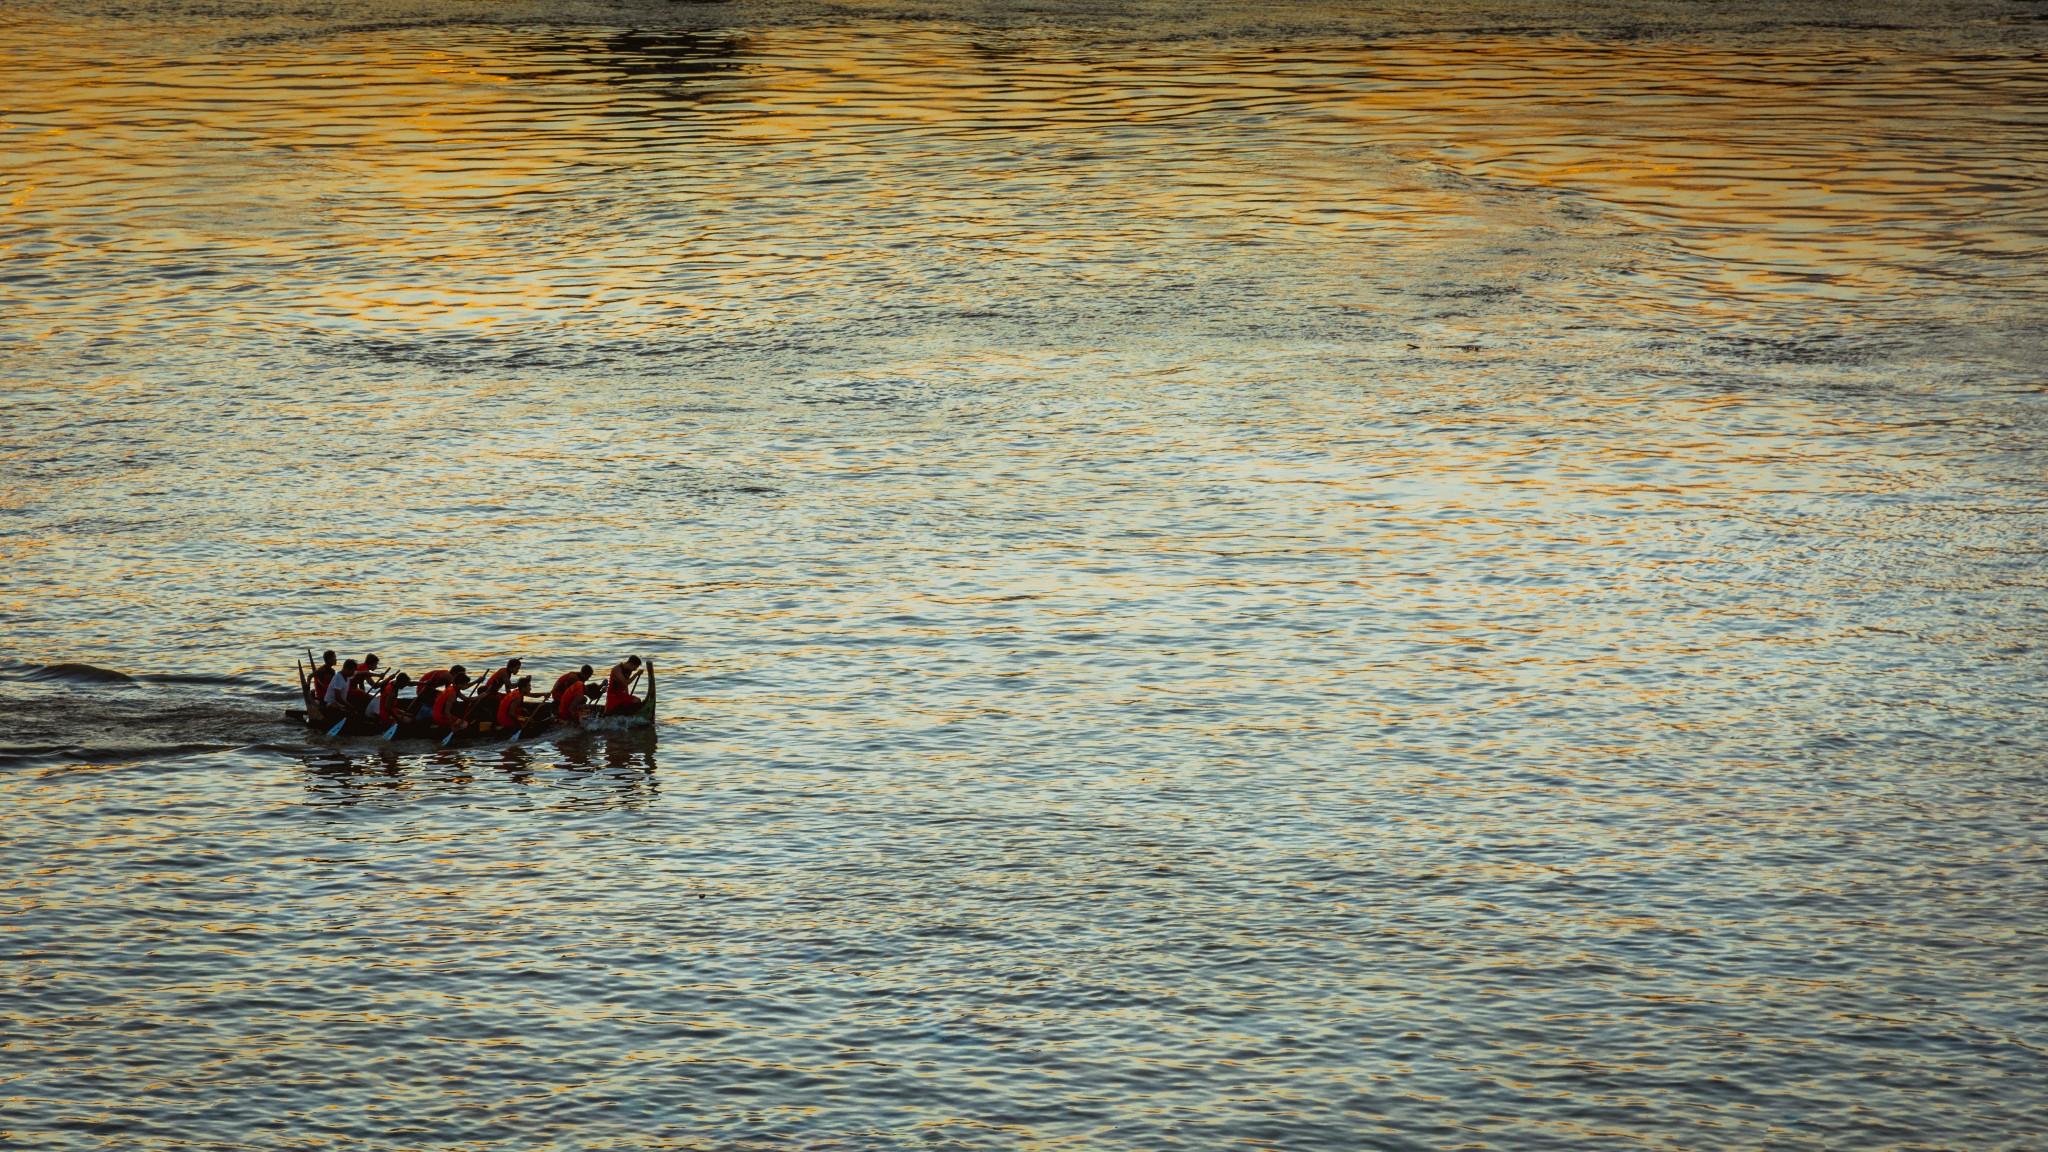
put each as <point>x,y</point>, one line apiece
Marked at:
<point>448,710</point>
<point>361,684</point>
<point>569,705</point>
<point>429,686</point>
<point>384,706</point>
<point>567,680</point>
<point>619,696</point>
<point>336,696</point>
<point>323,674</point>
<point>485,705</point>
<point>512,712</point>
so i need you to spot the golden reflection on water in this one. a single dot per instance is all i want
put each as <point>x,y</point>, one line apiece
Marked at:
<point>445,168</point>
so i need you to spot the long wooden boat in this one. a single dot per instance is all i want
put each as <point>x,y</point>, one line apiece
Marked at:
<point>327,721</point>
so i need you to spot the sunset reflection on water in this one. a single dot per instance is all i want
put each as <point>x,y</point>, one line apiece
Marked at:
<point>418,183</point>
<point>1312,591</point>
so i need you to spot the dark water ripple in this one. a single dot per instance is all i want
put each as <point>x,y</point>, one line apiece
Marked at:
<point>1428,578</point>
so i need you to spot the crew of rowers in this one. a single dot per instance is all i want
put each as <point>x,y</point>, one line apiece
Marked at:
<point>450,700</point>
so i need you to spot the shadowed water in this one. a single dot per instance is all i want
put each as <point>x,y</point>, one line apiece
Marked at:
<point>1221,577</point>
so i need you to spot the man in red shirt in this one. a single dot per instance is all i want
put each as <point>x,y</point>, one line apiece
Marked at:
<point>429,687</point>
<point>323,674</point>
<point>569,705</point>
<point>448,704</point>
<point>619,696</point>
<point>512,711</point>
<point>384,708</point>
<point>565,681</point>
<point>485,706</point>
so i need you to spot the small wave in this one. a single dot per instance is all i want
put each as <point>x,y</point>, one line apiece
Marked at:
<point>35,755</point>
<point>79,673</point>
<point>222,679</point>
<point>16,756</point>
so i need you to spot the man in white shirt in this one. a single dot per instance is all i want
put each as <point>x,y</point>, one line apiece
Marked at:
<point>337,688</point>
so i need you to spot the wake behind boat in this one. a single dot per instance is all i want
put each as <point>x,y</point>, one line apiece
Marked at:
<point>446,705</point>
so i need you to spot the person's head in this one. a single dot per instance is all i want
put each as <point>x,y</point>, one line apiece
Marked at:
<point>585,671</point>
<point>458,675</point>
<point>512,665</point>
<point>327,657</point>
<point>525,682</point>
<point>348,667</point>
<point>632,661</point>
<point>401,680</point>
<point>370,662</point>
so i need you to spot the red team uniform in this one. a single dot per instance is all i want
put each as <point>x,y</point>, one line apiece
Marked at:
<point>617,698</point>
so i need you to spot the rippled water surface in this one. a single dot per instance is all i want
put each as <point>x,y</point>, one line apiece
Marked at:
<point>1221,577</point>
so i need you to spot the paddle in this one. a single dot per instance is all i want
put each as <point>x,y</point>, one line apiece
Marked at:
<point>531,720</point>
<point>459,725</point>
<point>521,730</point>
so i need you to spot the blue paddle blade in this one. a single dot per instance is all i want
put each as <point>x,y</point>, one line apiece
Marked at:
<point>448,739</point>
<point>516,736</point>
<point>336,730</point>
<point>391,733</point>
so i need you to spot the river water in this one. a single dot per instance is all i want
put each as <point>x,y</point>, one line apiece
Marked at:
<point>1221,577</point>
